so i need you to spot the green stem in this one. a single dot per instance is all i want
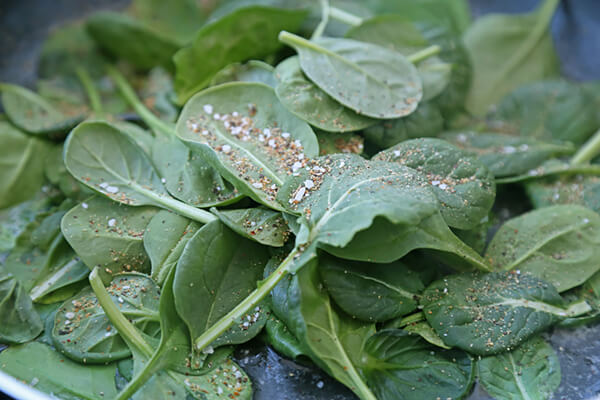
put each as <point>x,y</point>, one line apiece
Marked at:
<point>589,150</point>
<point>578,308</point>
<point>344,16</point>
<point>138,380</point>
<point>424,54</point>
<point>584,169</point>
<point>402,322</point>
<point>90,90</point>
<point>247,304</point>
<point>127,331</point>
<point>129,94</point>
<point>324,20</point>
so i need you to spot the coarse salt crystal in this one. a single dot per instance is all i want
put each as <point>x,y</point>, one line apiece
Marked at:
<point>257,185</point>
<point>70,315</point>
<point>112,189</point>
<point>443,186</point>
<point>267,132</point>
<point>272,143</point>
<point>103,185</point>
<point>208,109</point>
<point>112,222</point>
<point>435,183</point>
<point>84,205</point>
<point>297,165</point>
<point>397,153</point>
<point>217,116</point>
<point>226,148</point>
<point>309,184</point>
<point>300,194</point>
<point>285,135</point>
<point>163,180</point>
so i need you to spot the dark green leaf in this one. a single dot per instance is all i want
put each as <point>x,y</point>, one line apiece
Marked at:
<point>343,68</point>
<point>281,339</point>
<point>559,244</point>
<point>246,33</point>
<point>464,186</point>
<point>165,238</point>
<point>251,71</point>
<point>109,235</point>
<point>491,313</point>
<point>403,366</point>
<point>530,372</point>
<point>425,330</point>
<point>331,143</point>
<point>20,322</point>
<point>308,102</point>
<point>425,121</point>
<point>576,189</point>
<point>548,111</point>
<point>216,271</point>
<point>508,51</point>
<point>259,224</point>
<point>83,332</point>
<point>48,371</point>
<point>56,172</point>
<point>507,155</point>
<point>243,131</point>
<point>371,292</point>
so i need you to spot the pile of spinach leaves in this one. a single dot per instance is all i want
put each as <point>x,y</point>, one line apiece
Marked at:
<point>322,174</point>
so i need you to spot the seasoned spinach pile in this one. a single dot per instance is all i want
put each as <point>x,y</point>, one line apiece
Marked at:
<point>322,176</point>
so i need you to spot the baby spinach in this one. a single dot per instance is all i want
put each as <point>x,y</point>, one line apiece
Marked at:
<point>334,341</point>
<point>165,238</point>
<point>21,165</point>
<point>491,313</point>
<point>82,331</point>
<point>331,143</point>
<point>278,335</point>
<point>508,51</point>
<point>425,331</point>
<point>531,371</point>
<point>36,115</point>
<point>310,103</point>
<point>108,235</point>
<point>47,370</point>
<point>507,155</point>
<point>426,121</point>
<point>245,133</point>
<point>262,225</point>
<point>371,292</point>
<point>462,184</point>
<point>249,32</point>
<point>558,244</point>
<point>547,110</point>
<point>400,366</point>
<point>108,161</point>
<point>215,272</point>
<point>342,68</point>
<point>251,71</point>
<point>583,190</point>
<point>20,322</point>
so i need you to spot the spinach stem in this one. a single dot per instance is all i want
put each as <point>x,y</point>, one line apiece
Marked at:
<point>584,169</point>
<point>402,322</point>
<point>248,303</point>
<point>344,16</point>
<point>589,150</point>
<point>324,20</point>
<point>127,331</point>
<point>424,54</point>
<point>129,94</point>
<point>90,89</point>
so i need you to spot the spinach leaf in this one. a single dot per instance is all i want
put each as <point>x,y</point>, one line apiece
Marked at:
<point>401,366</point>
<point>331,143</point>
<point>21,165</point>
<point>531,371</point>
<point>371,292</point>
<point>188,177</point>
<point>548,111</point>
<point>251,71</point>
<point>463,185</point>
<point>261,225</point>
<point>108,161</point>
<point>56,172</point>
<point>36,115</point>
<point>424,330</point>
<point>399,34</point>
<point>340,196</point>
<point>106,234</point>
<point>307,101</point>
<point>507,155</point>
<point>491,313</point>
<point>164,239</point>
<point>575,189</point>
<point>343,68</point>
<point>127,38</point>
<point>558,244</point>
<point>508,51</point>
<point>333,341</point>
<point>215,272</point>
<point>83,332</point>
<point>246,33</point>
<point>278,335</point>
<point>426,121</point>
<point>48,371</point>
<point>20,322</point>
<point>157,94</point>
<point>243,131</point>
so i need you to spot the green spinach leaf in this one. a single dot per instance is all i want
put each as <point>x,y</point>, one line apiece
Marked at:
<point>261,225</point>
<point>251,71</point>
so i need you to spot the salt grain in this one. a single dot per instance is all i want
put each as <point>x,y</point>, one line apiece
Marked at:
<point>208,109</point>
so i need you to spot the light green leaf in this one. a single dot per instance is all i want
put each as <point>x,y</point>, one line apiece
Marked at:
<point>251,71</point>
